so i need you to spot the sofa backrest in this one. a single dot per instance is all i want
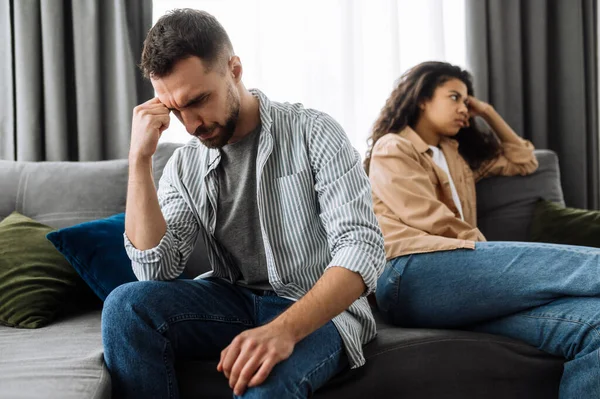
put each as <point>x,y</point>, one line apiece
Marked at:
<point>505,205</point>
<point>62,194</point>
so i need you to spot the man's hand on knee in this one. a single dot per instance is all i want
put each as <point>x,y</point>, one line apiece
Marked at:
<point>251,356</point>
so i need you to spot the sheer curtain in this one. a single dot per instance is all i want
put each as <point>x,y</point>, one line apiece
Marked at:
<point>338,56</point>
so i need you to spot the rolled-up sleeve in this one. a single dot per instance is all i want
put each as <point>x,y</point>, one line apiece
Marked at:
<point>167,260</point>
<point>346,210</point>
<point>515,159</point>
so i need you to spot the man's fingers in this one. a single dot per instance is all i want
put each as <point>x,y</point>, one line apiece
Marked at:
<point>240,363</point>
<point>153,110</point>
<point>154,100</point>
<point>220,365</point>
<point>160,122</point>
<point>262,373</point>
<point>165,125</point>
<point>164,122</point>
<point>228,359</point>
<point>246,374</point>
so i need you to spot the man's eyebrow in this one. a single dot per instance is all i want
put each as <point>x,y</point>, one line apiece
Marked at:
<point>198,98</point>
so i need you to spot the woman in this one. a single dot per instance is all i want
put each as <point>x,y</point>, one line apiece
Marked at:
<point>426,155</point>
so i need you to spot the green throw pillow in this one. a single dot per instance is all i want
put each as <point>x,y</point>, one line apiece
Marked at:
<point>36,281</point>
<point>555,224</point>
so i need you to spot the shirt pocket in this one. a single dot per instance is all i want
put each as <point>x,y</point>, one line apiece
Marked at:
<point>298,201</point>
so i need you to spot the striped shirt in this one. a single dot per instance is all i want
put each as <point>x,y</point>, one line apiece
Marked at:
<point>314,205</point>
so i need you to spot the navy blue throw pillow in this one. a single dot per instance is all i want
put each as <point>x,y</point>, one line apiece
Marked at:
<point>96,251</point>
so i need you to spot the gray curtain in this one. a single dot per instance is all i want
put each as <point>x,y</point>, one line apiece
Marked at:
<point>69,78</point>
<point>536,62</point>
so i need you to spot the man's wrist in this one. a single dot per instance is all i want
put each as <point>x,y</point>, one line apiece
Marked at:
<point>141,160</point>
<point>286,328</point>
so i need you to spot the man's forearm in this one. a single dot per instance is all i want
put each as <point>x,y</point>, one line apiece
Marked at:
<point>144,222</point>
<point>333,293</point>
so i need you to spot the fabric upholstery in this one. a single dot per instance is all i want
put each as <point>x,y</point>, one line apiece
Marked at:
<point>411,363</point>
<point>556,224</point>
<point>36,282</point>
<point>505,205</point>
<point>95,250</point>
<point>61,361</point>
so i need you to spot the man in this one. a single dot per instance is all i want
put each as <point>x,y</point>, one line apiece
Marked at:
<point>280,199</point>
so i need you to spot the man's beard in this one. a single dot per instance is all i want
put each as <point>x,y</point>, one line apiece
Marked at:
<point>226,131</point>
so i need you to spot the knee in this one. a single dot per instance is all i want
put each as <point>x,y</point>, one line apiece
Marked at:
<point>124,296</point>
<point>123,304</point>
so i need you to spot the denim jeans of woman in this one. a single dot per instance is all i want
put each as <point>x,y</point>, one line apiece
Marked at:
<point>545,295</point>
<point>149,326</point>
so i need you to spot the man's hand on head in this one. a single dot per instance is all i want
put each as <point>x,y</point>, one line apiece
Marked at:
<point>249,359</point>
<point>149,120</point>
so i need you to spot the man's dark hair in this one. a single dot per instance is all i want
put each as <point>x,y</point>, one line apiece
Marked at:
<point>180,34</point>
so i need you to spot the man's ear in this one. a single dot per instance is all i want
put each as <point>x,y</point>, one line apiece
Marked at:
<point>235,68</point>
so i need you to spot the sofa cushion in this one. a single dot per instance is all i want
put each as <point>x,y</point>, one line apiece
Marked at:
<point>36,282</point>
<point>61,361</point>
<point>63,194</point>
<point>553,223</point>
<point>95,250</point>
<point>505,204</point>
<point>64,360</point>
<point>424,364</point>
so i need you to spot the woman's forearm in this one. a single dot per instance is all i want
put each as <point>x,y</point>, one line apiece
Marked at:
<point>500,127</point>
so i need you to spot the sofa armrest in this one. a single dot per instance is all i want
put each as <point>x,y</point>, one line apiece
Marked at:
<point>505,205</point>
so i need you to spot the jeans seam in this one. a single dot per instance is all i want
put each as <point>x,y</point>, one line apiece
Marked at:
<point>256,308</point>
<point>583,323</point>
<point>583,250</point>
<point>192,316</point>
<point>168,371</point>
<point>317,367</point>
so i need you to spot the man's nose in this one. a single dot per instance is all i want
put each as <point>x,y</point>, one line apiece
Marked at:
<point>191,121</point>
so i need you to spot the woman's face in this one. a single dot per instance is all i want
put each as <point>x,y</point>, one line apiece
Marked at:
<point>447,111</point>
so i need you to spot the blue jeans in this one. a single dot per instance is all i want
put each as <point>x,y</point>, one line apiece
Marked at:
<point>149,326</point>
<point>545,295</point>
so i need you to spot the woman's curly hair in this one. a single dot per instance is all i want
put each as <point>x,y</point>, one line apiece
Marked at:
<point>476,144</point>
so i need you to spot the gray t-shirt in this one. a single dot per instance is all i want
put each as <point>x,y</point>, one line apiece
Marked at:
<point>238,225</point>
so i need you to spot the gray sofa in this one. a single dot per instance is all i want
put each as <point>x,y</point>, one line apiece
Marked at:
<point>64,360</point>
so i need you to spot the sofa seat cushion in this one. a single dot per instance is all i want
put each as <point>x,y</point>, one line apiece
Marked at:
<point>64,360</point>
<point>424,364</point>
<point>61,361</point>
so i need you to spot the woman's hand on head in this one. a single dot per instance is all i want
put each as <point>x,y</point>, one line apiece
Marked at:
<point>477,107</point>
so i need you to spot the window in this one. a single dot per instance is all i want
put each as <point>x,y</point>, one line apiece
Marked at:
<point>338,56</point>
